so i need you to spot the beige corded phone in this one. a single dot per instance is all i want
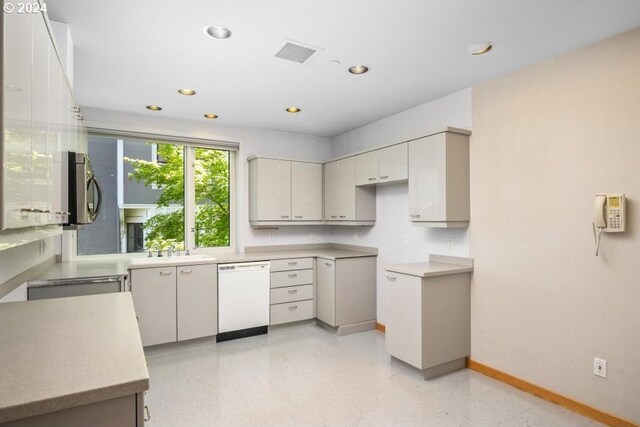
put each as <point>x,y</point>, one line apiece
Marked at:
<point>608,215</point>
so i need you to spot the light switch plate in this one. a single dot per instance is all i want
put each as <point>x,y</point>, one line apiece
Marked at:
<point>600,367</point>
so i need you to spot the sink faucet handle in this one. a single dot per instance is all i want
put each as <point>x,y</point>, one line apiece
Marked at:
<point>150,254</point>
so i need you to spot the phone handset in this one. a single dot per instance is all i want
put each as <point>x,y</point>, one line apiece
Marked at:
<point>599,219</point>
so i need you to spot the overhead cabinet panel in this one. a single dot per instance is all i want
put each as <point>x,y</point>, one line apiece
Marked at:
<point>347,189</point>
<point>306,191</point>
<point>393,163</point>
<point>270,190</point>
<point>367,168</point>
<point>331,188</point>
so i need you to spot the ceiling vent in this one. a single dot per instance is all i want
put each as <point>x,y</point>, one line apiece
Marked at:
<point>297,52</point>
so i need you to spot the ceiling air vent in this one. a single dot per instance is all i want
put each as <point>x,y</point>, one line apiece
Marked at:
<point>297,52</point>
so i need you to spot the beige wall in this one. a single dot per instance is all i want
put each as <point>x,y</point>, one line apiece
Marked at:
<point>545,140</point>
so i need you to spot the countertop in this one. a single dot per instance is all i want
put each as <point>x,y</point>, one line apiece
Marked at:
<point>66,352</point>
<point>82,269</point>
<point>438,265</point>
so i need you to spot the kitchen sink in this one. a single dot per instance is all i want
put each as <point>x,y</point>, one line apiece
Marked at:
<point>174,259</point>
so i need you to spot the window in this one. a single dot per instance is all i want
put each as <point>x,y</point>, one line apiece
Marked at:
<point>158,195</point>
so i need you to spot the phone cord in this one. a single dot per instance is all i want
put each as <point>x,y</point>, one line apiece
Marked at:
<point>597,231</point>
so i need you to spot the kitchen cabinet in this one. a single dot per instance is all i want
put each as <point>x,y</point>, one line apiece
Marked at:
<point>306,191</point>
<point>197,301</point>
<point>439,180</point>
<point>154,298</point>
<point>40,119</point>
<point>284,191</point>
<point>386,165</point>
<point>346,202</point>
<point>427,322</point>
<point>346,293</point>
<point>292,295</point>
<point>175,303</point>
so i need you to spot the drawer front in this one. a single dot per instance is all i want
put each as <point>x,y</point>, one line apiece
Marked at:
<point>291,312</point>
<point>291,264</point>
<point>293,293</point>
<point>291,278</point>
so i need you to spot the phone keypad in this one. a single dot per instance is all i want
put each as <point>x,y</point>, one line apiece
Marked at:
<point>614,219</point>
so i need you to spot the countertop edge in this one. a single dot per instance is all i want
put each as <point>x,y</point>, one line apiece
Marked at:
<point>74,400</point>
<point>412,272</point>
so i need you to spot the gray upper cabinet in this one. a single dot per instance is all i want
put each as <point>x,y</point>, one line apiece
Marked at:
<point>386,165</point>
<point>343,200</point>
<point>284,191</point>
<point>331,188</point>
<point>306,191</point>
<point>347,189</point>
<point>439,180</point>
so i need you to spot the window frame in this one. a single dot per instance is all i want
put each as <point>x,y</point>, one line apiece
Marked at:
<point>189,145</point>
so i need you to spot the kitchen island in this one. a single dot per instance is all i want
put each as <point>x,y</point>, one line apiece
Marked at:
<point>72,362</point>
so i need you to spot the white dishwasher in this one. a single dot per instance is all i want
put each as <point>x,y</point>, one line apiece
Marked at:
<point>243,300</point>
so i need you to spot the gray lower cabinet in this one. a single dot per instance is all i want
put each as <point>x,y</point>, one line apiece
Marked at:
<point>154,298</point>
<point>126,411</point>
<point>292,295</point>
<point>428,321</point>
<point>175,303</point>
<point>346,291</point>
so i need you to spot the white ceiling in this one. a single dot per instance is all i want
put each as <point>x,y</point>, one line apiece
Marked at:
<point>129,54</point>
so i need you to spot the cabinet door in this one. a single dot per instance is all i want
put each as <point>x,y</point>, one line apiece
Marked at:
<point>306,191</point>
<point>367,168</point>
<point>41,181</point>
<point>427,183</point>
<point>394,163</point>
<point>347,189</point>
<point>331,189</point>
<point>16,109</point>
<point>154,297</point>
<point>326,291</point>
<point>403,320</point>
<point>355,290</point>
<point>272,180</point>
<point>54,138</point>
<point>197,301</point>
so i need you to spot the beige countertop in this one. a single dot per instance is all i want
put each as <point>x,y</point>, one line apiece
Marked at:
<point>82,269</point>
<point>438,265</point>
<point>66,352</point>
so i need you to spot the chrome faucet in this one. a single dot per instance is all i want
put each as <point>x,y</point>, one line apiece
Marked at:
<point>170,251</point>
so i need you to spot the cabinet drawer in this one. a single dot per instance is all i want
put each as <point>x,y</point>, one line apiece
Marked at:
<point>291,278</point>
<point>291,312</point>
<point>291,264</point>
<point>293,293</point>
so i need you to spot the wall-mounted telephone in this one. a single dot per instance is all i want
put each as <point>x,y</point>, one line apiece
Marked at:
<point>609,215</point>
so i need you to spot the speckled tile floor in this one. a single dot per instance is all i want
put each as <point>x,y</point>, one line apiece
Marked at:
<point>303,375</point>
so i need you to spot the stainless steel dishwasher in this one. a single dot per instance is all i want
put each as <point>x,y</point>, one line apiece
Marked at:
<point>60,288</point>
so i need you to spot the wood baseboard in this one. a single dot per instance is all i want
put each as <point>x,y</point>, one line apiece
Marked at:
<point>550,396</point>
<point>380,327</point>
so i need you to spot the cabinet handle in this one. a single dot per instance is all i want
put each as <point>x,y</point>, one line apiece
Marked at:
<point>27,210</point>
<point>76,109</point>
<point>147,414</point>
<point>293,307</point>
<point>63,213</point>
<point>165,273</point>
<point>292,275</point>
<point>328,264</point>
<point>185,271</point>
<point>293,291</point>
<point>343,216</point>
<point>384,177</point>
<point>298,216</point>
<point>414,216</point>
<point>293,262</point>
<point>284,216</point>
<point>334,216</point>
<point>372,179</point>
<point>391,278</point>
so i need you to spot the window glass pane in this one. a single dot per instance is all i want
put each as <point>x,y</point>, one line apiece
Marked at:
<point>212,207</point>
<point>143,199</point>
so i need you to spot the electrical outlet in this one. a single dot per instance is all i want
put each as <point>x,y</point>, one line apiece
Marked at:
<point>600,367</point>
<point>312,235</point>
<point>405,240</point>
<point>450,244</point>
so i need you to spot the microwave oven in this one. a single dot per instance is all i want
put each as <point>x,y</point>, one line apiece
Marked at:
<point>84,197</point>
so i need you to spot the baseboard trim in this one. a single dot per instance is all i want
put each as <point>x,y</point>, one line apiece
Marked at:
<point>380,327</point>
<point>550,396</point>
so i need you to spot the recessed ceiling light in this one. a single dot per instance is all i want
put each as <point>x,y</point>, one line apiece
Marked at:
<point>154,108</point>
<point>211,116</point>
<point>480,48</point>
<point>358,69</point>
<point>187,92</point>
<point>293,110</point>
<point>217,32</point>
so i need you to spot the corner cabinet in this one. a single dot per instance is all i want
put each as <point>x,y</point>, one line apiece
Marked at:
<point>40,120</point>
<point>284,192</point>
<point>439,180</point>
<point>387,165</point>
<point>344,202</point>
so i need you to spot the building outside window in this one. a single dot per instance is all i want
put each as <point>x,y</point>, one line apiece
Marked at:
<point>159,195</point>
